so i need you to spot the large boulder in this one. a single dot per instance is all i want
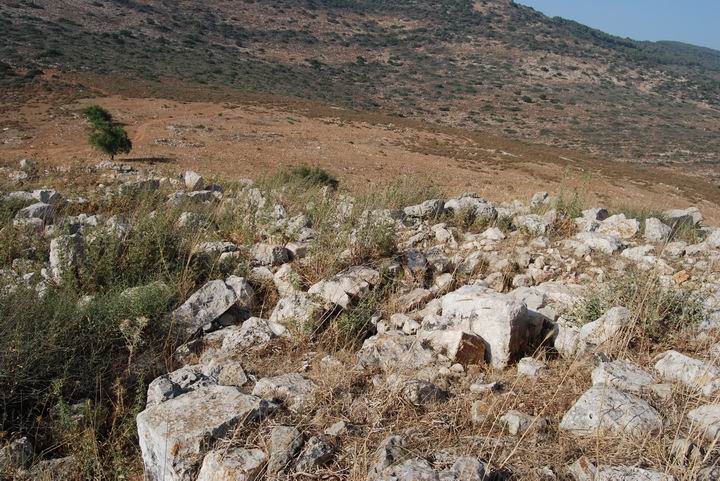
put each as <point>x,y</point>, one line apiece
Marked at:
<point>499,319</point>
<point>605,409</point>
<point>174,435</point>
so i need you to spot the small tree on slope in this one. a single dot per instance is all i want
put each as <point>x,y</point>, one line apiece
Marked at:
<point>106,135</point>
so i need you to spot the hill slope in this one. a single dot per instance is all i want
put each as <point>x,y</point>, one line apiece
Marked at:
<point>490,65</point>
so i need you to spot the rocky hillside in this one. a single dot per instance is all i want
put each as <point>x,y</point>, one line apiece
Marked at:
<point>283,328</point>
<point>488,65</point>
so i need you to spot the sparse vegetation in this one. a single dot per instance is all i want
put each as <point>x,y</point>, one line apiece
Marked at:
<point>76,364</point>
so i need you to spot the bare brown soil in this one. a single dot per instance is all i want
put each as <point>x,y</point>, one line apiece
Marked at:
<point>248,136</point>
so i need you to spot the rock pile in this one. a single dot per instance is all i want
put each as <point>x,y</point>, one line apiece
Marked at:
<point>463,305</point>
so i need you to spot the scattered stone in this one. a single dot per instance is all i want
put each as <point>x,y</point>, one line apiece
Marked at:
<point>176,383</point>
<point>293,390</point>
<point>623,375</point>
<point>707,419</point>
<point>606,327</point>
<point>390,350</point>
<point>345,287</point>
<point>318,451</point>
<point>686,452</point>
<point>270,255</point>
<point>175,434</point>
<point>584,470</point>
<point>605,409</point>
<point>418,392</point>
<point>458,346</point>
<point>656,231</point>
<point>390,452</point>
<point>538,199</point>
<point>694,373</point>
<point>285,443</point>
<point>204,307</point>
<point>532,223</point>
<point>59,469</point>
<point>41,211</point>
<point>193,180</point>
<point>16,455</point>
<point>473,206</point>
<point>532,367</point>
<point>517,422</point>
<point>414,299</point>
<point>296,309</point>
<point>466,469</point>
<point>67,253</point>
<point>619,226</point>
<point>430,209</point>
<point>135,187</point>
<point>596,241</point>
<point>232,464</point>
<point>287,281</point>
<point>483,388</point>
<point>690,216</point>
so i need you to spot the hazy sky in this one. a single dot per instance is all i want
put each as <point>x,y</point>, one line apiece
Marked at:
<point>691,21</point>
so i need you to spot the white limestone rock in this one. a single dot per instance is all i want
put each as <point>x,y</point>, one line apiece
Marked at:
<point>174,435</point>
<point>500,320</point>
<point>606,327</point>
<point>232,464</point>
<point>193,180</point>
<point>293,390</point>
<point>693,373</point>
<point>623,375</point>
<point>605,409</point>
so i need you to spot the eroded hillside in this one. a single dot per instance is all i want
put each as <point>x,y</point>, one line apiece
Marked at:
<point>489,65</point>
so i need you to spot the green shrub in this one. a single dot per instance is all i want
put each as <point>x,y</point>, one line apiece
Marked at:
<point>308,176</point>
<point>106,135</point>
